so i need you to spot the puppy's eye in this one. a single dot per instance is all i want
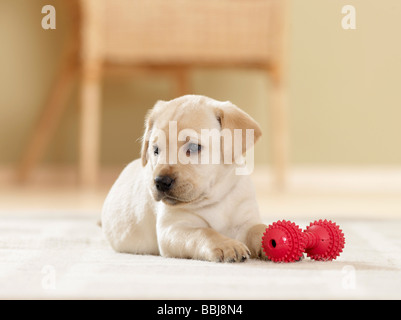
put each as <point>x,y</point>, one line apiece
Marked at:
<point>193,148</point>
<point>155,150</point>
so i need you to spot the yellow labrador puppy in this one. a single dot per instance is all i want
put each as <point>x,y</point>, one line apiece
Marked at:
<point>180,200</point>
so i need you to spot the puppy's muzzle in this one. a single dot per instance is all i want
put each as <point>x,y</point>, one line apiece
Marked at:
<point>164,183</point>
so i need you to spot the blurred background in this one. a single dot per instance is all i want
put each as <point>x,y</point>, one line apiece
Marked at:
<point>339,97</point>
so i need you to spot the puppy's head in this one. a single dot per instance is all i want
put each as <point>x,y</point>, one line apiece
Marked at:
<point>185,149</point>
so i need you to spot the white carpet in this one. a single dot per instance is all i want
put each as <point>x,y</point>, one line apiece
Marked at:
<point>68,258</point>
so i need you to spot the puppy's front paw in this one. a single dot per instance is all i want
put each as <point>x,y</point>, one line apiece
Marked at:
<point>229,250</point>
<point>254,241</point>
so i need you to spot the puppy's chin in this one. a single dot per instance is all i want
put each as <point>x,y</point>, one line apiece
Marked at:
<point>165,198</point>
<point>170,201</point>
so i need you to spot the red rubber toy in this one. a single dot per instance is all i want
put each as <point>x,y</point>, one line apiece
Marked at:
<point>284,241</point>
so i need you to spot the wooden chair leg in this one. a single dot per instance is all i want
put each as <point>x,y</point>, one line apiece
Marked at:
<point>279,134</point>
<point>90,95</point>
<point>50,117</point>
<point>90,127</point>
<point>182,81</point>
<point>279,111</point>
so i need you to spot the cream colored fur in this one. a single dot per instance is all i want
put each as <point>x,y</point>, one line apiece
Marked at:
<point>210,214</point>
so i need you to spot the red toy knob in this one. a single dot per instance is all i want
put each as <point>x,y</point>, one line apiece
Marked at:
<point>284,241</point>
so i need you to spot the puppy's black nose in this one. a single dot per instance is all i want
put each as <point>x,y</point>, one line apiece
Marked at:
<point>163,183</point>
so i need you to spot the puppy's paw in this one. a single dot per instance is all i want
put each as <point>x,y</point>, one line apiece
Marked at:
<point>254,241</point>
<point>229,250</point>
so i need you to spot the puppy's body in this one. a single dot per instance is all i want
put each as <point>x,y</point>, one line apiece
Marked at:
<point>206,211</point>
<point>129,213</point>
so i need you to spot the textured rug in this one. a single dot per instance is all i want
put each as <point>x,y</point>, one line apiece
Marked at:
<point>68,258</point>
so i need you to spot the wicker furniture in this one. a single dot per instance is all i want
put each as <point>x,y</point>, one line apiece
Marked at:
<point>167,36</point>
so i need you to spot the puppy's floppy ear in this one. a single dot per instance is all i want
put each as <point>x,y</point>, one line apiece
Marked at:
<point>145,138</point>
<point>149,120</point>
<point>231,117</point>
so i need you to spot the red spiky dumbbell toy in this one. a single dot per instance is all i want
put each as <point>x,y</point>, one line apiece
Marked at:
<point>284,241</point>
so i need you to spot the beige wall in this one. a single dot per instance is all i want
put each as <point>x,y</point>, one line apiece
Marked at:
<point>344,86</point>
